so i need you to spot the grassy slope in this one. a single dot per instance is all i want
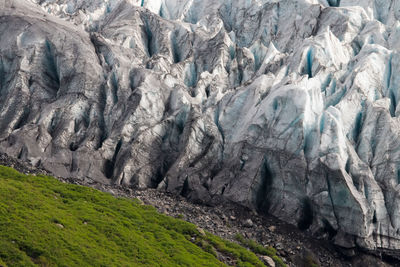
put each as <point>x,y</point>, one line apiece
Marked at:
<point>46,222</point>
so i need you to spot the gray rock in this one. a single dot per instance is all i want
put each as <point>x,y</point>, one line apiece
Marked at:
<point>248,223</point>
<point>269,261</point>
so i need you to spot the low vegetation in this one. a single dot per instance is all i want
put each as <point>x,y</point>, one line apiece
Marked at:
<point>259,249</point>
<point>49,223</point>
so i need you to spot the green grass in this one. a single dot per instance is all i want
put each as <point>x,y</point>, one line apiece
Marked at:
<point>49,223</point>
<point>259,249</point>
<point>244,257</point>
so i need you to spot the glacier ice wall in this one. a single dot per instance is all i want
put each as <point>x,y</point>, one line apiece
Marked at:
<point>286,106</point>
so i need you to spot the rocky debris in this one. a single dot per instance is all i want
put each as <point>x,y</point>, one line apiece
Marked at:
<point>368,261</point>
<point>20,166</point>
<point>306,258</point>
<point>287,107</point>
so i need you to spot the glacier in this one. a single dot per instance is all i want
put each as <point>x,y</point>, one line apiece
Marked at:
<point>288,107</point>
